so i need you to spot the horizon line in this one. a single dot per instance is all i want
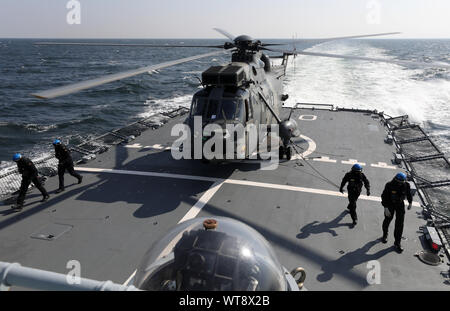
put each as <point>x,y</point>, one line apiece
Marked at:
<point>142,38</point>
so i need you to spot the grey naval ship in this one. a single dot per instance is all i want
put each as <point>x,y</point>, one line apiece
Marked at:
<point>143,220</point>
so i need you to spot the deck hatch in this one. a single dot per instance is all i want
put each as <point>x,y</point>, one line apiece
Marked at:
<point>429,258</point>
<point>51,232</point>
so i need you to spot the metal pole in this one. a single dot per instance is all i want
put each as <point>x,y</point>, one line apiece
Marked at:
<point>13,274</point>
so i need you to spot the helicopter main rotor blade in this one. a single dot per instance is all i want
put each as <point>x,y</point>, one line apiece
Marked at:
<point>129,45</point>
<point>357,36</point>
<point>273,44</point>
<point>343,38</point>
<point>225,33</point>
<point>370,59</point>
<point>76,87</point>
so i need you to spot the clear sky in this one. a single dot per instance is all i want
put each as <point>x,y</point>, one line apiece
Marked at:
<point>196,18</point>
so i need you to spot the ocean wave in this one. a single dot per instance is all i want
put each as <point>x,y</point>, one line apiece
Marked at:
<point>437,126</point>
<point>432,74</point>
<point>165,105</point>
<point>422,94</point>
<point>38,128</point>
<point>119,88</point>
<point>391,88</point>
<point>42,128</point>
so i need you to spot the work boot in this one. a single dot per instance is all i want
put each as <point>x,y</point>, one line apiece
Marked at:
<point>59,190</point>
<point>384,238</point>
<point>80,180</point>
<point>17,207</point>
<point>45,198</point>
<point>398,248</point>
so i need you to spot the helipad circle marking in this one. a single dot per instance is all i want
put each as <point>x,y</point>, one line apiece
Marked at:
<point>309,117</point>
<point>311,147</point>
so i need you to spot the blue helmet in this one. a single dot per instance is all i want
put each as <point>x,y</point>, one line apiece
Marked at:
<point>56,142</point>
<point>16,157</point>
<point>357,168</point>
<point>400,177</point>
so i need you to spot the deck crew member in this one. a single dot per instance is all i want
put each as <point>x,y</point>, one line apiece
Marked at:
<point>62,153</point>
<point>355,179</point>
<point>29,175</point>
<point>392,199</point>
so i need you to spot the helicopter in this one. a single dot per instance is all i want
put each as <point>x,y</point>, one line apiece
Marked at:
<point>247,92</point>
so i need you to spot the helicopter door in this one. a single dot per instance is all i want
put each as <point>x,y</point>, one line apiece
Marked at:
<point>263,114</point>
<point>248,118</point>
<point>257,115</point>
<point>248,115</point>
<point>256,110</point>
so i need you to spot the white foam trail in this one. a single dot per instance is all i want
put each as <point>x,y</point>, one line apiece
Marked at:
<point>164,105</point>
<point>355,84</point>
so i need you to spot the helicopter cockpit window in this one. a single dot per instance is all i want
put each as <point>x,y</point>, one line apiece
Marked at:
<point>198,105</point>
<point>240,112</point>
<point>228,109</point>
<point>212,109</point>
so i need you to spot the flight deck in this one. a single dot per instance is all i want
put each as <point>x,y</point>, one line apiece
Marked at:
<point>135,192</point>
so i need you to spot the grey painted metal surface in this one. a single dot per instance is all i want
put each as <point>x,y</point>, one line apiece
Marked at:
<point>134,193</point>
<point>13,274</point>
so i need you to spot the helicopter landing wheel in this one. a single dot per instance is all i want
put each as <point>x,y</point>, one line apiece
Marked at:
<point>288,153</point>
<point>281,152</point>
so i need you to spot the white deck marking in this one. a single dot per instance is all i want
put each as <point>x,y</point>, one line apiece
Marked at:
<point>311,148</point>
<point>192,213</point>
<point>139,146</point>
<point>324,159</point>
<point>151,174</point>
<point>157,146</point>
<point>231,181</point>
<point>218,182</point>
<point>134,146</point>
<point>383,165</point>
<point>307,117</point>
<point>353,161</point>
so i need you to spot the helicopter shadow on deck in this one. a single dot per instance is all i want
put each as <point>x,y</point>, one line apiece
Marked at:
<point>109,189</point>
<point>157,195</point>
<point>317,227</point>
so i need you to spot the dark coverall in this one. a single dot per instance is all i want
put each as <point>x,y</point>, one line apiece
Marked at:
<point>393,198</point>
<point>29,174</point>
<point>355,182</point>
<point>62,153</point>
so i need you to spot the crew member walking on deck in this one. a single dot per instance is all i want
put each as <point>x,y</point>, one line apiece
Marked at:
<point>29,174</point>
<point>355,179</point>
<point>62,153</point>
<point>392,199</point>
